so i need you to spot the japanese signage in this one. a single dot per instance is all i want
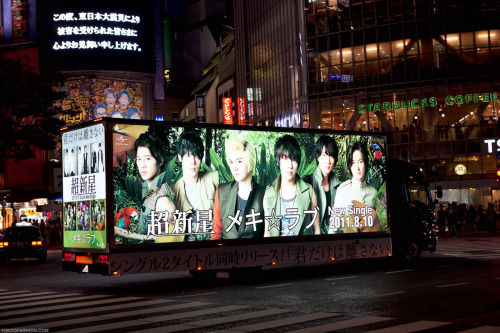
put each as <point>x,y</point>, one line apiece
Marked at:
<point>252,255</point>
<point>84,187</point>
<point>460,169</point>
<point>340,77</point>
<point>241,111</point>
<point>200,108</point>
<point>97,98</point>
<point>268,185</point>
<point>19,21</point>
<point>108,35</point>
<point>227,110</point>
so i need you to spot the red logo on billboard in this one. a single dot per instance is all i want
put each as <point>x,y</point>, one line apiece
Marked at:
<point>241,111</point>
<point>227,110</point>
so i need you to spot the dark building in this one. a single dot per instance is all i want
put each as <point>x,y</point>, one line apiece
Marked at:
<point>424,71</point>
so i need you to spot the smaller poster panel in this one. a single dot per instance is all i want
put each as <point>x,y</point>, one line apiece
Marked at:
<point>84,188</point>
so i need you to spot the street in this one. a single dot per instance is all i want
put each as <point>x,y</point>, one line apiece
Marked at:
<point>454,290</point>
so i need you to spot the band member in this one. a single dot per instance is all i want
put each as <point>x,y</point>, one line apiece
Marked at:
<point>356,193</point>
<point>323,180</point>
<point>289,196</point>
<point>195,191</point>
<point>241,213</point>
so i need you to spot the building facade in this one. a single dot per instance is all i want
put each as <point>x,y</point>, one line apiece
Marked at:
<point>425,72</point>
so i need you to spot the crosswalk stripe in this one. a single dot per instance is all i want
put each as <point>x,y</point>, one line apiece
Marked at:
<point>122,314</point>
<point>483,329</point>
<point>39,295</point>
<point>342,324</point>
<point>66,307</point>
<point>157,318</point>
<point>79,312</point>
<point>62,298</point>
<point>215,321</point>
<point>411,327</point>
<point>281,322</point>
<point>17,292</point>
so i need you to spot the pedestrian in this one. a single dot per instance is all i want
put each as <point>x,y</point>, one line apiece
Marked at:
<point>471,219</point>
<point>491,218</point>
<point>441,214</point>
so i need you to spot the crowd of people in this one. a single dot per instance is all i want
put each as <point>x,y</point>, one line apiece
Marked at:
<point>456,219</point>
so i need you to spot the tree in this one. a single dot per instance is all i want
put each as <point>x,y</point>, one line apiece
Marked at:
<point>28,112</point>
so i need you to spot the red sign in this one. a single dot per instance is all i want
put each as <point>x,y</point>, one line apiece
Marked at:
<point>241,111</point>
<point>227,110</point>
<point>250,114</point>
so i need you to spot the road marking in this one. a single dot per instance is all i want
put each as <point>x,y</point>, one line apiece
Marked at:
<point>483,329</point>
<point>26,319</point>
<point>122,314</point>
<point>401,271</point>
<point>411,327</point>
<point>389,294</point>
<point>197,324</point>
<point>66,306</point>
<point>58,300</point>
<point>342,278</point>
<point>138,323</point>
<point>453,285</point>
<point>342,324</point>
<point>274,286</point>
<point>194,295</point>
<point>32,295</point>
<point>268,325</point>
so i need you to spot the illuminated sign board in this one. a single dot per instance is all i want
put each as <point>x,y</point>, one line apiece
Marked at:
<point>98,98</point>
<point>429,102</point>
<point>92,35</point>
<point>170,195</point>
<point>227,110</point>
<point>84,187</point>
<point>241,111</point>
<point>200,108</point>
<point>460,169</point>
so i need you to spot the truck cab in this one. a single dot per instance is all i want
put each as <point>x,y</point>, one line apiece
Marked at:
<point>411,211</point>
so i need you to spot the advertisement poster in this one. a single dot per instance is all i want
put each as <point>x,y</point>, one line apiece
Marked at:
<point>97,98</point>
<point>202,184</point>
<point>84,188</point>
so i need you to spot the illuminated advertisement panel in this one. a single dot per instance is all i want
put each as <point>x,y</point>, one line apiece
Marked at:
<point>97,35</point>
<point>227,110</point>
<point>241,111</point>
<point>84,188</point>
<point>96,98</point>
<point>252,184</point>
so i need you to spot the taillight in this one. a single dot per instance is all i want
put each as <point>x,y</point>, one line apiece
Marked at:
<point>2,244</point>
<point>36,243</point>
<point>102,259</point>
<point>67,256</point>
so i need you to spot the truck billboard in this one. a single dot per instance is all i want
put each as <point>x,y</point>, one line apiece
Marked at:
<point>193,184</point>
<point>84,188</point>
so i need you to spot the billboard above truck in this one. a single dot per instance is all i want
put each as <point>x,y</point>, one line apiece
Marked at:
<point>201,184</point>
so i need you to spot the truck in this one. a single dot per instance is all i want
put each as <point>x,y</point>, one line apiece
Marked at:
<point>148,196</point>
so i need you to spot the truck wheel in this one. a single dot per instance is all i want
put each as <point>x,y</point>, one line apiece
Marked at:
<point>412,251</point>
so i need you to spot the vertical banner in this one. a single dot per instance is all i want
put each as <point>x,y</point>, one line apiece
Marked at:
<point>250,114</point>
<point>227,110</point>
<point>200,108</point>
<point>241,111</point>
<point>84,188</point>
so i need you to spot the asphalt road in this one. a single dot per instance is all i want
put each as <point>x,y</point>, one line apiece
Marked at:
<point>456,289</point>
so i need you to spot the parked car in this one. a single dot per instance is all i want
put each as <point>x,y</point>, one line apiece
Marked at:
<point>21,242</point>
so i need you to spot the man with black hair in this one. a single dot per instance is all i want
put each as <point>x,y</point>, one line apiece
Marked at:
<point>323,180</point>
<point>195,191</point>
<point>287,199</point>
<point>356,193</point>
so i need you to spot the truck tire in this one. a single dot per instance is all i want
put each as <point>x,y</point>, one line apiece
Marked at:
<point>412,251</point>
